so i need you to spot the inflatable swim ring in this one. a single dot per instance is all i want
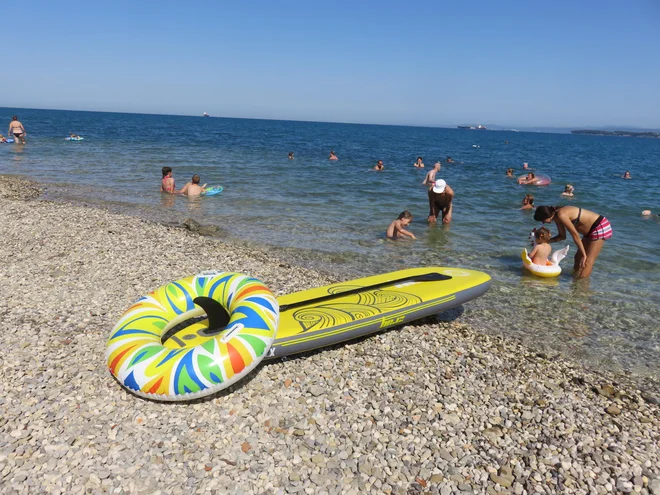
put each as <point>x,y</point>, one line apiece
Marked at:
<point>541,180</point>
<point>551,269</point>
<point>212,191</point>
<point>239,336</point>
<point>9,140</point>
<point>74,139</point>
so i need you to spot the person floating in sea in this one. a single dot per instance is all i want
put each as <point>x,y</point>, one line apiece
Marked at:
<point>441,197</point>
<point>542,249</point>
<point>74,136</point>
<point>290,155</point>
<point>626,175</point>
<point>3,139</point>
<point>333,156</point>
<point>418,163</point>
<point>167,183</point>
<point>17,130</point>
<point>528,202</point>
<point>526,166</point>
<point>450,160</point>
<point>509,172</point>
<point>379,166</point>
<point>568,191</point>
<point>529,179</point>
<point>193,188</point>
<point>595,230</point>
<point>398,227</point>
<point>429,180</point>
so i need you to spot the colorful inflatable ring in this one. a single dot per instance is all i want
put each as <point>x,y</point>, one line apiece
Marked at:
<point>551,269</point>
<point>141,363</point>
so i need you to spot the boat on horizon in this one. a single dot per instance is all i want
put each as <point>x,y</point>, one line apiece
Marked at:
<point>479,127</point>
<point>206,115</point>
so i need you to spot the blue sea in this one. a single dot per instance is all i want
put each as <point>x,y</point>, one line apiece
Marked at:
<point>333,215</point>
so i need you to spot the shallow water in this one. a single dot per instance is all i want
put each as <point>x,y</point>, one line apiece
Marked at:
<point>332,215</point>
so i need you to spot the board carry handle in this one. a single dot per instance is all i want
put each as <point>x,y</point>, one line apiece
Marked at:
<point>426,277</point>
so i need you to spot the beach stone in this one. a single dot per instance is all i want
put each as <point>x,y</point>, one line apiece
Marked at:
<point>623,485</point>
<point>613,410</point>
<point>505,481</point>
<point>654,486</point>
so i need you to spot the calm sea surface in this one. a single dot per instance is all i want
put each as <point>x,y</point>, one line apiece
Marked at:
<point>333,215</point>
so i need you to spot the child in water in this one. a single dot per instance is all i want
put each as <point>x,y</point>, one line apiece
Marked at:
<point>3,139</point>
<point>542,250</point>
<point>193,188</point>
<point>397,227</point>
<point>528,202</point>
<point>568,190</point>
<point>167,184</point>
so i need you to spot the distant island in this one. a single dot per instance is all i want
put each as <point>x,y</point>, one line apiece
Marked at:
<point>591,132</point>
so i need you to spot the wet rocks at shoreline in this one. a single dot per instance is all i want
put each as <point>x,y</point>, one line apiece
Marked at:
<point>432,407</point>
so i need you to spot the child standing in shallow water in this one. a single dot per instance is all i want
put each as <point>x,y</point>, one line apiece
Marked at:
<point>167,184</point>
<point>397,227</point>
<point>542,250</point>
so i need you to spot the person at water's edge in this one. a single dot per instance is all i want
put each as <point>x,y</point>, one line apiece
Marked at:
<point>595,230</point>
<point>441,197</point>
<point>17,130</point>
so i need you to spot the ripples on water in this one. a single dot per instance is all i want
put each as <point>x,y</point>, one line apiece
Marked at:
<point>333,215</point>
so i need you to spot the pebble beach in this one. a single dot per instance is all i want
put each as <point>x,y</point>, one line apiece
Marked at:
<point>430,407</point>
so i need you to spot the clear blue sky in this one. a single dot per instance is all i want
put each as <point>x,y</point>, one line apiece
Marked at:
<point>514,63</point>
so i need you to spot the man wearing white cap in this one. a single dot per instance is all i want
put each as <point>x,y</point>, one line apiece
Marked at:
<point>441,197</point>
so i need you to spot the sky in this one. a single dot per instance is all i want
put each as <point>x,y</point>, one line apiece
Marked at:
<point>517,63</point>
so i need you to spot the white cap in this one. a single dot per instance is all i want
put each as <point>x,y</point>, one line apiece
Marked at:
<point>439,186</point>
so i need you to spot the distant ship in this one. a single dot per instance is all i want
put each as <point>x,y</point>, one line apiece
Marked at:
<point>479,127</point>
<point>206,114</point>
<point>465,127</point>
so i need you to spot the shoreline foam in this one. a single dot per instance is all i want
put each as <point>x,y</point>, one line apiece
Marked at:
<point>431,406</point>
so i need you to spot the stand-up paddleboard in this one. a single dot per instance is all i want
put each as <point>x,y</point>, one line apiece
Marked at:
<point>335,313</point>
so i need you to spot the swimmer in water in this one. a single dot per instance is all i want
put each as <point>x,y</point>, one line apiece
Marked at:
<point>167,184</point>
<point>568,190</point>
<point>379,166</point>
<point>626,175</point>
<point>450,160</point>
<point>193,188</point>
<point>529,179</point>
<point>398,227</point>
<point>509,172</point>
<point>333,156</point>
<point>526,166</point>
<point>528,202</point>
<point>290,155</point>
<point>418,163</point>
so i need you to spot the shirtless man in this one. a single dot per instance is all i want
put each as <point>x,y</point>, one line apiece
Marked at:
<point>379,166</point>
<point>17,129</point>
<point>429,180</point>
<point>193,188</point>
<point>441,197</point>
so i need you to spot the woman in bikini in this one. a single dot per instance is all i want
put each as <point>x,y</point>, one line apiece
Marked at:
<point>17,130</point>
<point>595,229</point>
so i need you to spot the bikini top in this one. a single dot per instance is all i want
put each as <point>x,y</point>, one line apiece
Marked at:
<point>577,219</point>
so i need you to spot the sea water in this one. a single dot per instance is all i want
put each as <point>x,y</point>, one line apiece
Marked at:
<point>332,215</point>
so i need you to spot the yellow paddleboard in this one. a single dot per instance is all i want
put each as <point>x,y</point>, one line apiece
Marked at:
<point>335,313</point>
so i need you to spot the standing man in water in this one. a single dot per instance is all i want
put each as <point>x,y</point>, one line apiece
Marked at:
<point>441,197</point>
<point>17,129</point>
<point>429,180</point>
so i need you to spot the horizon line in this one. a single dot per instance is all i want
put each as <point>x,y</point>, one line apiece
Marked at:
<point>509,128</point>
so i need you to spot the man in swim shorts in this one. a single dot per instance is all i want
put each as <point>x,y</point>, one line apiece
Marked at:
<point>441,197</point>
<point>193,188</point>
<point>429,180</point>
<point>17,130</point>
